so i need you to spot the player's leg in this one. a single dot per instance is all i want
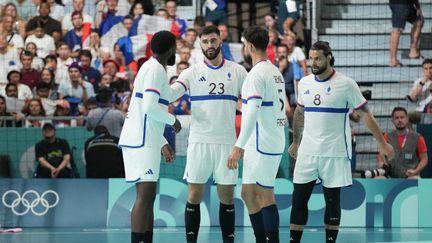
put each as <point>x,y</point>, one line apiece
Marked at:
<point>142,212</point>
<point>198,170</point>
<point>299,209</point>
<point>226,180</point>
<point>417,23</point>
<point>226,212</point>
<point>251,200</point>
<point>332,213</point>
<point>399,16</point>
<point>270,213</point>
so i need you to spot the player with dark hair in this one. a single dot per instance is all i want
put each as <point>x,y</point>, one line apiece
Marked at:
<point>142,136</point>
<point>262,136</point>
<point>325,99</point>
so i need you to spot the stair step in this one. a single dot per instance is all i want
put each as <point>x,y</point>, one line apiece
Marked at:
<point>362,2</point>
<point>371,11</point>
<point>394,74</point>
<point>361,26</point>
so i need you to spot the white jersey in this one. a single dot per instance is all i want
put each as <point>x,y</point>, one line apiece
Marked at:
<point>264,82</point>
<point>327,104</point>
<point>214,92</point>
<point>140,129</point>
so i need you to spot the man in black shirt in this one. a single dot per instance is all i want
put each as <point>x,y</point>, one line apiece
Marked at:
<point>53,154</point>
<point>52,27</point>
<point>103,157</point>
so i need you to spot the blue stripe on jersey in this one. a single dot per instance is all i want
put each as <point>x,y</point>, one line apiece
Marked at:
<point>257,144</point>
<point>162,101</point>
<point>261,185</point>
<point>326,109</point>
<point>213,97</point>
<point>133,181</point>
<point>264,103</point>
<point>144,137</point>
<point>215,67</point>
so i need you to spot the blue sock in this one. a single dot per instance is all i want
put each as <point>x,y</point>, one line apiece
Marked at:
<point>258,227</point>
<point>271,223</point>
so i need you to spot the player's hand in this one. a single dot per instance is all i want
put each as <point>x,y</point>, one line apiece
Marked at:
<point>410,172</point>
<point>168,153</point>
<point>235,155</point>
<point>387,151</point>
<point>292,150</point>
<point>177,126</point>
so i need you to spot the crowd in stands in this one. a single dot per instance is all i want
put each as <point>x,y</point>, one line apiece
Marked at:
<point>61,65</point>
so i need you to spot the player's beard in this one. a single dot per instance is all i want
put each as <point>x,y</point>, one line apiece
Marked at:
<point>320,69</point>
<point>248,58</point>
<point>171,60</point>
<point>213,55</point>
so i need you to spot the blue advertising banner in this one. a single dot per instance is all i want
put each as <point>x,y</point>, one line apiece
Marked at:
<point>53,203</point>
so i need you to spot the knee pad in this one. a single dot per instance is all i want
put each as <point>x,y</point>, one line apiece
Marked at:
<point>333,210</point>
<point>301,195</point>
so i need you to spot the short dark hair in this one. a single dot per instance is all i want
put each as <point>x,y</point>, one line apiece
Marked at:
<point>209,30</point>
<point>258,36</point>
<point>183,62</point>
<point>399,108</point>
<point>26,53</point>
<point>162,42</point>
<point>427,61</point>
<point>86,53</point>
<point>10,84</point>
<point>43,85</point>
<point>50,57</point>
<point>325,47</point>
<point>104,96</point>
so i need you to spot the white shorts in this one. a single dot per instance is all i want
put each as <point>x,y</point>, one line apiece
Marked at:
<point>332,171</point>
<point>141,164</point>
<point>205,159</point>
<point>260,169</point>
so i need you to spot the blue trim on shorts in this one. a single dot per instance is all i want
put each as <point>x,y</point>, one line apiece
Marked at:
<point>133,181</point>
<point>268,187</point>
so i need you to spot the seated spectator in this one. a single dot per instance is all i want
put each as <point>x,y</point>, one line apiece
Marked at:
<point>95,49</point>
<point>106,8</point>
<point>62,110</point>
<point>421,91</point>
<point>53,154</point>
<point>47,78</point>
<point>290,71</point>
<point>120,82</point>
<point>14,77</point>
<point>226,52</point>
<point>49,25</point>
<point>11,34</point>
<point>43,91</point>
<point>56,10</point>
<point>11,90</point>
<point>136,10</point>
<point>410,156</point>
<point>44,42</point>
<point>128,70</point>
<point>75,37</point>
<point>103,157</point>
<point>30,76</point>
<point>274,42</point>
<point>34,113</point>
<point>37,63</point>
<point>181,106</point>
<point>270,22</point>
<point>171,7</point>
<point>105,114</point>
<point>76,89</point>
<point>8,57</point>
<point>89,73</point>
<point>105,81</point>
<point>16,117</point>
<point>295,53</point>
<point>50,62</point>
<point>22,10</point>
<point>78,6</point>
<point>64,60</point>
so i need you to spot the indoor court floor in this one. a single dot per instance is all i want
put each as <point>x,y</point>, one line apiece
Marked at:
<point>212,235</point>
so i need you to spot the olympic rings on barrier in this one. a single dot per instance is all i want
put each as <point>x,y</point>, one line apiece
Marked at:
<point>15,200</point>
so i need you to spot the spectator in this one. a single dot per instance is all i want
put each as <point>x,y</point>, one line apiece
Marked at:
<point>47,77</point>
<point>74,36</point>
<point>295,53</point>
<point>50,26</point>
<point>105,81</point>
<point>136,10</point>
<point>405,11</point>
<point>191,37</point>
<point>181,66</point>
<point>14,77</point>
<point>105,115</point>
<point>64,60</point>
<point>77,90</point>
<point>291,73</point>
<point>34,113</point>
<point>216,12</point>
<point>89,73</point>
<point>17,117</point>
<point>43,91</point>
<point>37,62</point>
<point>410,148</point>
<point>53,154</point>
<point>421,91</point>
<point>56,10</point>
<point>120,83</point>
<point>226,52</point>
<point>12,37</point>
<point>288,13</point>
<point>24,9</point>
<point>128,71</point>
<point>105,8</point>
<point>50,62</point>
<point>30,76</point>
<point>181,106</point>
<point>44,42</point>
<point>78,6</point>
<point>246,63</point>
<point>95,50</point>
<point>11,90</point>
<point>163,13</point>
<point>171,7</point>
<point>270,22</point>
<point>273,43</point>
<point>103,157</point>
<point>8,57</point>
<point>62,110</point>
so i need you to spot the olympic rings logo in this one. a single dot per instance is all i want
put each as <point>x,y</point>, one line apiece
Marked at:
<point>12,199</point>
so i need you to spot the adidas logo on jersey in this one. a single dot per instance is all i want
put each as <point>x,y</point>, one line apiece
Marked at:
<point>202,79</point>
<point>149,172</point>
<point>307,92</point>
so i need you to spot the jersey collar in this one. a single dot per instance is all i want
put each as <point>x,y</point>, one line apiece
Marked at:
<point>215,67</point>
<point>326,79</point>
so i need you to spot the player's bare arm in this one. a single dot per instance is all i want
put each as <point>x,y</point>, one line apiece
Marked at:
<point>298,125</point>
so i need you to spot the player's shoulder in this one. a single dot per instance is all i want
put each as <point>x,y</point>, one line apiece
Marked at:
<point>342,77</point>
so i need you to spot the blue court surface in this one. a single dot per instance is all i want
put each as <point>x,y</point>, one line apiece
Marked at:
<point>212,234</point>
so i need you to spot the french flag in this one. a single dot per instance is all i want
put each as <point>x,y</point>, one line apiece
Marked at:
<point>85,38</point>
<point>149,24</point>
<point>111,29</point>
